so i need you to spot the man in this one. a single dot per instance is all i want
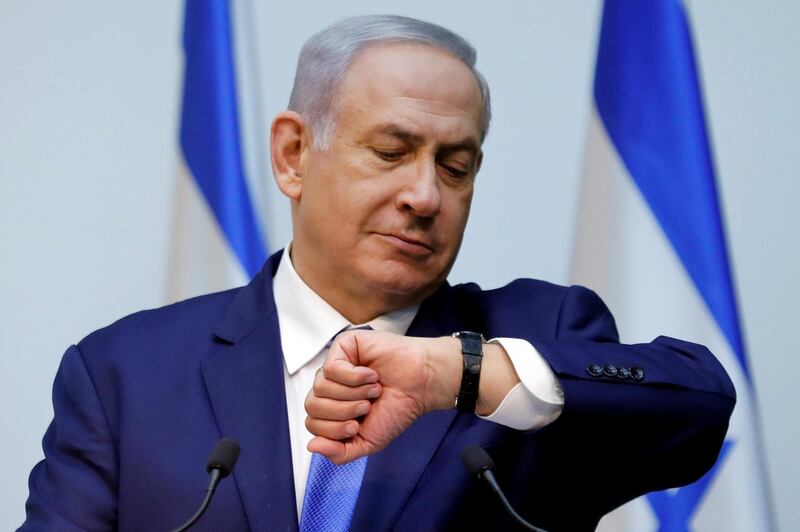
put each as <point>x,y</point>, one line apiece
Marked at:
<point>378,155</point>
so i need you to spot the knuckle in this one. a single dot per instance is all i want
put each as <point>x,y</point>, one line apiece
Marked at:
<point>359,408</point>
<point>319,390</point>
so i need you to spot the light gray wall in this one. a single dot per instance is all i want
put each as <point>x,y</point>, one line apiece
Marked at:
<point>751,69</point>
<point>89,96</point>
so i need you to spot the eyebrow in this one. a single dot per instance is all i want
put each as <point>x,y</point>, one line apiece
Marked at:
<point>412,138</point>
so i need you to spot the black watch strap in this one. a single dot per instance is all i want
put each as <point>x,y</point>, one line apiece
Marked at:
<point>472,351</point>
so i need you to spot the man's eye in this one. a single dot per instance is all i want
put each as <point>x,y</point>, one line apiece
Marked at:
<point>389,155</point>
<point>454,172</point>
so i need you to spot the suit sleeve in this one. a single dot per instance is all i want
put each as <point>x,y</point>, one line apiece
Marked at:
<point>74,487</point>
<point>662,429</point>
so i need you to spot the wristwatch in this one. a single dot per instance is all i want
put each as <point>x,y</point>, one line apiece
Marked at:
<point>472,351</point>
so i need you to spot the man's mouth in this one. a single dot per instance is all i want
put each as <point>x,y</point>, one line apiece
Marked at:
<point>407,245</point>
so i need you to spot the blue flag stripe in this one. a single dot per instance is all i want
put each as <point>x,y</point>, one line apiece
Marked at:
<point>209,134</point>
<point>648,97</point>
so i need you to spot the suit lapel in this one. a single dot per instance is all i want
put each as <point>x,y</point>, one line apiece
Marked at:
<point>393,473</point>
<point>244,379</point>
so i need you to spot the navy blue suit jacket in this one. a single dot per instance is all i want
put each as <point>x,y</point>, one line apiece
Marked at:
<point>139,404</point>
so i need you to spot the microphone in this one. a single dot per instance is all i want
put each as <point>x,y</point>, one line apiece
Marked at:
<point>219,466</point>
<point>480,464</point>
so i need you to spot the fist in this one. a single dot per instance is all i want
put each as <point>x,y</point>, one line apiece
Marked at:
<point>373,386</point>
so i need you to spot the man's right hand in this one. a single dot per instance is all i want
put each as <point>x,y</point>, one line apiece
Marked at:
<point>403,377</point>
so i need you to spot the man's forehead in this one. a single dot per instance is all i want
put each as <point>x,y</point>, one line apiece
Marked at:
<point>414,79</point>
<point>410,134</point>
<point>414,70</point>
<point>394,59</point>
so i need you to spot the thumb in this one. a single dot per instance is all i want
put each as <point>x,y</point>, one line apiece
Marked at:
<point>341,364</point>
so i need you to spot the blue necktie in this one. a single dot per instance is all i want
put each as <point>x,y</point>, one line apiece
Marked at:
<point>331,491</point>
<point>331,494</point>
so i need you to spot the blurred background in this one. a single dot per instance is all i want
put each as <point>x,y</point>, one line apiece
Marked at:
<point>90,98</point>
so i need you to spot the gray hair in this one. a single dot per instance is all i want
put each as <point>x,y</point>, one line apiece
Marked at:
<point>327,55</point>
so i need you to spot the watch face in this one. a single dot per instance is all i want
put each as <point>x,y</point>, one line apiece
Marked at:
<point>471,342</point>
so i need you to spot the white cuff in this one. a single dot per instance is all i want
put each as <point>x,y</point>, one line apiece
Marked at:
<point>537,400</point>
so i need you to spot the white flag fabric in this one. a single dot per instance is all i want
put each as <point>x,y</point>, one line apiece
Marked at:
<point>650,241</point>
<point>216,240</point>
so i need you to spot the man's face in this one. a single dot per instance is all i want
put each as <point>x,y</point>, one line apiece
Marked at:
<point>382,211</point>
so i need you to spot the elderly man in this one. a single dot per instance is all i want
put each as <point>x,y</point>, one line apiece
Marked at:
<point>378,155</point>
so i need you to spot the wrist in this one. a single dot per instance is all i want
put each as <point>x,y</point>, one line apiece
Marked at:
<point>499,377</point>
<point>444,373</point>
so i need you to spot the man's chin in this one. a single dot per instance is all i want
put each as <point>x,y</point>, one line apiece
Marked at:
<point>408,287</point>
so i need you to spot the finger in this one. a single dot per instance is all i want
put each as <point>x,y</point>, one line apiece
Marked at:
<point>341,362</point>
<point>338,452</point>
<point>333,390</point>
<point>334,430</point>
<point>333,450</point>
<point>338,368</point>
<point>335,410</point>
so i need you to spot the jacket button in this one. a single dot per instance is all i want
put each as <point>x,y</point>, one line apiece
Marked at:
<point>623,373</point>
<point>594,370</point>
<point>637,374</point>
<point>610,370</point>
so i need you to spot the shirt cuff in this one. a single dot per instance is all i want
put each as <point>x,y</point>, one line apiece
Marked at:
<point>537,400</point>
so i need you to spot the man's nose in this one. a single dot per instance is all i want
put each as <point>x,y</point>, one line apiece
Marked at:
<point>420,193</point>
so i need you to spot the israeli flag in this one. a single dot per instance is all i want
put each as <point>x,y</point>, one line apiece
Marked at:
<point>217,241</point>
<point>650,240</point>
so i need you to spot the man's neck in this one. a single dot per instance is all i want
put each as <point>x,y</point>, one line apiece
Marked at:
<point>357,305</point>
<point>358,308</point>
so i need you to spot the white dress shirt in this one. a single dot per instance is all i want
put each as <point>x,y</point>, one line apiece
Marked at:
<point>308,322</point>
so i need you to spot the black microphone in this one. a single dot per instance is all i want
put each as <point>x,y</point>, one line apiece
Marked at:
<point>480,464</point>
<point>219,466</point>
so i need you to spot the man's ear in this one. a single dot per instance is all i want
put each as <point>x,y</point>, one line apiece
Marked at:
<point>289,143</point>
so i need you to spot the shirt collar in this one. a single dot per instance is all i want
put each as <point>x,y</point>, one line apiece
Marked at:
<point>308,322</point>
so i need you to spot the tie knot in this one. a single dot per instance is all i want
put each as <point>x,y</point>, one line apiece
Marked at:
<point>366,327</point>
<point>348,328</point>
